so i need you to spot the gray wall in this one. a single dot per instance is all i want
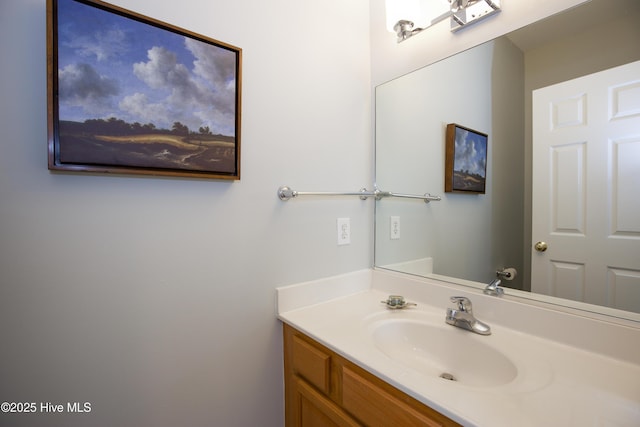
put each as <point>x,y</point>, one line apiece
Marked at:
<point>153,298</point>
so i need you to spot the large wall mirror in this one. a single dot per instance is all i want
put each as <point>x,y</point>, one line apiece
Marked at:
<point>466,238</point>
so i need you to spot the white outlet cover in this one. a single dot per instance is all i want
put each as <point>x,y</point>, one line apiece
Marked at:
<point>344,231</point>
<point>394,228</point>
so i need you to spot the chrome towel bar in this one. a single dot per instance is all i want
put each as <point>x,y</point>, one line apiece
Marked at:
<point>286,193</point>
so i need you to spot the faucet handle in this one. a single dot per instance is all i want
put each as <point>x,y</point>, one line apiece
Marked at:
<point>397,301</point>
<point>464,303</point>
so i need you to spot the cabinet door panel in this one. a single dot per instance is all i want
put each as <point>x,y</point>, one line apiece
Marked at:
<point>311,363</point>
<point>377,408</point>
<point>315,410</point>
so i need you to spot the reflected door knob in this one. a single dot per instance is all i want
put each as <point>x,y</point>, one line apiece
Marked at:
<point>541,246</point>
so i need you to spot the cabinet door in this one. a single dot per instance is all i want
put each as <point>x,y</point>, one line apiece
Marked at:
<point>312,409</point>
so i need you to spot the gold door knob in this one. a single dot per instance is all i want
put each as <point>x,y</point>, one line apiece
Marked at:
<point>541,246</point>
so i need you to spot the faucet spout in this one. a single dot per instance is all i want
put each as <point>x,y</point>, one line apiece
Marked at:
<point>494,288</point>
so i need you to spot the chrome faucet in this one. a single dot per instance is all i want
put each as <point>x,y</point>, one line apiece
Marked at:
<point>462,317</point>
<point>494,288</point>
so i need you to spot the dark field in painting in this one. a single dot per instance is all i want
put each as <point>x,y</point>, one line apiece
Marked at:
<point>465,181</point>
<point>145,147</point>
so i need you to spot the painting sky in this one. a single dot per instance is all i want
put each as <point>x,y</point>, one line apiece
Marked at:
<point>111,66</point>
<point>471,152</point>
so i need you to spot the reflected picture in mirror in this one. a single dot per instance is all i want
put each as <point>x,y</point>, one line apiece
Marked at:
<point>465,165</point>
<point>463,239</point>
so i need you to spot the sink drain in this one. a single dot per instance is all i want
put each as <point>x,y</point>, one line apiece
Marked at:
<point>447,376</point>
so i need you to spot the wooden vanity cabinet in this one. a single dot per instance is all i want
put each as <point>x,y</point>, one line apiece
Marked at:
<point>323,389</point>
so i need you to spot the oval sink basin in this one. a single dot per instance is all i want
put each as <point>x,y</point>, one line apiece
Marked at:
<point>444,351</point>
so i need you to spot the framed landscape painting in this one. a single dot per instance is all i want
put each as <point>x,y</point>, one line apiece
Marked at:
<point>465,160</point>
<point>133,95</point>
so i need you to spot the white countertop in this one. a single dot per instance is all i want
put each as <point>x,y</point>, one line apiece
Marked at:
<point>557,384</point>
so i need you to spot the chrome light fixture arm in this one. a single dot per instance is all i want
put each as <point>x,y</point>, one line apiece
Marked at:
<point>462,13</point>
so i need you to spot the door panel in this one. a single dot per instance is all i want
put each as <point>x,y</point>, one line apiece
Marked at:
<point>586,185</point>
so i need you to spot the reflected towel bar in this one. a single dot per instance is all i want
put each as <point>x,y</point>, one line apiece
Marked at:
<point>286,193</point>
<point>427,197</point>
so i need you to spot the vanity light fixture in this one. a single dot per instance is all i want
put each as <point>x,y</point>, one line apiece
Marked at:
<point>465,12</point>
<point>407,18</point>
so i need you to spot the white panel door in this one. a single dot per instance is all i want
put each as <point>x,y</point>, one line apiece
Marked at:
<point>586,189</point>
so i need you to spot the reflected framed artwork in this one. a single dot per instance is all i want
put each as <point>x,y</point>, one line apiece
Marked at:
<point>465,160</point>
<point>130,94</point>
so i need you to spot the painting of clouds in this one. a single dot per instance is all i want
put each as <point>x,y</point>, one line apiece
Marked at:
<point>131,92</point>
<point>469,160</point>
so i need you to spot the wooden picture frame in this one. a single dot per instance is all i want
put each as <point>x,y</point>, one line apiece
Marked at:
<point>129,94</point>
<point>465,168</point>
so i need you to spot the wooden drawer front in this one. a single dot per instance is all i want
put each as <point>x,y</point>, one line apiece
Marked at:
<point>315,410</point>
<point>311,363</point>
<point>377,408</point>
